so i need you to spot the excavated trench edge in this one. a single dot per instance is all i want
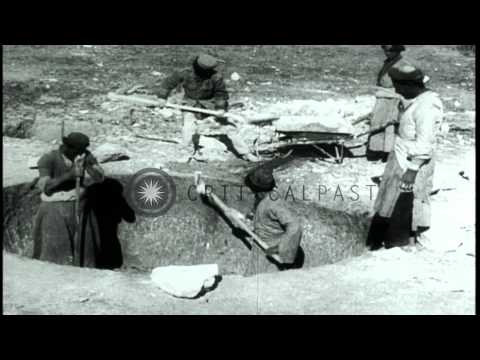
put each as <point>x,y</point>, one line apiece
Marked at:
<point>191,232</point>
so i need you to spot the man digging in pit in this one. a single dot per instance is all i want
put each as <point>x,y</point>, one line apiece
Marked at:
<point>275,224</point>
<point>64,232</point>
<point>402,207</point>
<point>205,88</point>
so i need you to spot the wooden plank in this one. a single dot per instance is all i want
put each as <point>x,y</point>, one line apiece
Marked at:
<point>156,139</point>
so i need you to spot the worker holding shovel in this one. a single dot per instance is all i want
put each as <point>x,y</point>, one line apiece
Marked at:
<point>64,233</point>
<point>275,223</point>
<point>276,230</point>
<point>204,88</point>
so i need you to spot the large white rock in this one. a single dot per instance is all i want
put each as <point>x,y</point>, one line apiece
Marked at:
<point>185,281</point>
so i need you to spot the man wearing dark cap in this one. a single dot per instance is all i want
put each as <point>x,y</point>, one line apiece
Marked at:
<point>380,143</point>
<point>204,88</point>
<point>55,229</point>
<point>274,223</point>
<point>403,206</point>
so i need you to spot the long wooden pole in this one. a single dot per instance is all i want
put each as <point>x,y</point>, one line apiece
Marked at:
<point>235,220</point>
<point>149,102</point>
<point>220,114</point>
<point>77,240</point>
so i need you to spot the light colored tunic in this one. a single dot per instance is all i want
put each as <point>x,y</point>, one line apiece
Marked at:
<point>420,122</point>
<point>415,150</point>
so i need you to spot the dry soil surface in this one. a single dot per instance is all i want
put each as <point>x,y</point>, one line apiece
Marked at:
<point>57,82</point>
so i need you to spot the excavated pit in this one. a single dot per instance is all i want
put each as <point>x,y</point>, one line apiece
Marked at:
<point>191,232</point>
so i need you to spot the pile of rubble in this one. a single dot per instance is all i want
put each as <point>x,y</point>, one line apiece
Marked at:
<point>309,115</point>
<point>347,108</point>
<point>334,115</point>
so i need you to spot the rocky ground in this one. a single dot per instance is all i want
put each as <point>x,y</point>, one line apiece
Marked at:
<point>45,85</point>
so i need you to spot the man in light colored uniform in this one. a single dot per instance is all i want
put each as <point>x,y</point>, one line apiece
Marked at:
<point>403,202</point>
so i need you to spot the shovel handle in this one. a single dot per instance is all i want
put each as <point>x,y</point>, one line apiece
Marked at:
<point>77,202</point>
<point>238,222</point>
<point>149,102</point>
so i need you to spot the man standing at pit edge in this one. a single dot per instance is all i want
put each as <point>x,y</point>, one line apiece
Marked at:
<point>403,202</point>
<point>56,234</point>
<point>385,113</point>
<point>205,88</point>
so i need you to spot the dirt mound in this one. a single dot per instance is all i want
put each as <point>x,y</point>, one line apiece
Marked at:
<point>332,115</point>
<point>346,108</point>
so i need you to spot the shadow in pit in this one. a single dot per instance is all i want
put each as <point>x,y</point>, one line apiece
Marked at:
<point>110,208</point>
<point>297,264</point>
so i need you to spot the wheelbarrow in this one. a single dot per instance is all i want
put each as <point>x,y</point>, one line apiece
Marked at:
<point>292,139</point>
<point>286,141</point>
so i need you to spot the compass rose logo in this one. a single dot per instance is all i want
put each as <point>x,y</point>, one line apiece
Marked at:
<point>151,192</point>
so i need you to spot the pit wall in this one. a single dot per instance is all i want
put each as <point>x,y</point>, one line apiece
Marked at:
<point>192,232</point>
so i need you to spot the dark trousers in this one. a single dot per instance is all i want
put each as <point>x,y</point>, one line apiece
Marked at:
<point>396,230</point>
<point>259,263</point>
